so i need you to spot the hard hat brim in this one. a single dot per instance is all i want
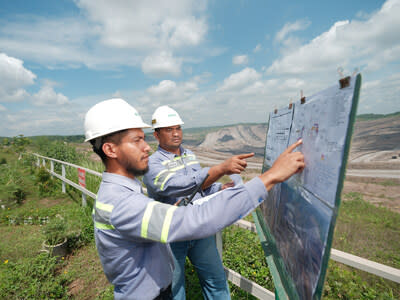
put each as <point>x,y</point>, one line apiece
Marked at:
<point>139,126</point>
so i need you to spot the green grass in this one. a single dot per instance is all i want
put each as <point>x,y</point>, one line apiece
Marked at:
<point>368,117</point>
<point>388,183</point>
<point>368,231</point>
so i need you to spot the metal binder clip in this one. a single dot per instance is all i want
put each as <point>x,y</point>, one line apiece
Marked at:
<point>302,98</point>
<point>344,82</point>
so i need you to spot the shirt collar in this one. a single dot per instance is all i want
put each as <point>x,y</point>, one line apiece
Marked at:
<point>133,184</point>
<point>169,154</point>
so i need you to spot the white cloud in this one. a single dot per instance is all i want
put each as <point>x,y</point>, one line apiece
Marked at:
<point>257,48</point>
<point>168,92</point>
<point>14,77</point>
<point>291,27</point>
<point>47,96</point>
<point>109,34</point>
<point>239,80</point>
<point>39,121</point>
<point>161,64</point>
<point>240,60</point>
<point>49,41</point>
<point>117,94</point>
<point>165,87</point>
<point>381,96</point>
<point>184,32</point>
<point>372,43</point>
<point>2,108</point>
<point>145,24</point>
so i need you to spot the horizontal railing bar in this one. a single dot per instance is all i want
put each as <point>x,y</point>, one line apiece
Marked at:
<point>348,259</point>
<point>69,164</point>
<point>246,225</point>
<point>366,265</point>
<point>77,186</point>
<point>248,285</point>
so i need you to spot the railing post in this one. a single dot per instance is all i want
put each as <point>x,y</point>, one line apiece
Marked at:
<point>63,175</point>
<point>44,162</point>
<point>52,168</point>
<point>84,202</point>
<point>82,183</point>
<point>38,162</point>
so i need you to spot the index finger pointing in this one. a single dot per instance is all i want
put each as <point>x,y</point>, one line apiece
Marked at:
<point>294,145</point>
<point>245,155</point>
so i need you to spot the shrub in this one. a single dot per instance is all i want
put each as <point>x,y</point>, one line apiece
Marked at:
<point>32,279</point>
<point>61,151</point>
<point>55,231</point>
<point>12,183</point>
<point>45,183</point>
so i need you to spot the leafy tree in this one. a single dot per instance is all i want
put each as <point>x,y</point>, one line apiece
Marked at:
<point>19,143</point>
<point>6,142</point>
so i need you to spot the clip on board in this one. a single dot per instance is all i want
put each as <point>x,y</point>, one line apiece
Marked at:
<point>296,222</point>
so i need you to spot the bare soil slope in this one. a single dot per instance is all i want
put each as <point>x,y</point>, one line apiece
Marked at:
<point>373,141</point>
<point>237,139</point>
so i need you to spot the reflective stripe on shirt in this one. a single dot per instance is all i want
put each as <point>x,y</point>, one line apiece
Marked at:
<point>102,216</point>
<point>156,221</point>
<point>172,166</point>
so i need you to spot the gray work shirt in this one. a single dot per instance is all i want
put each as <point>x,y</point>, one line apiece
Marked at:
<point>171,177</point>
<point>132,231</point>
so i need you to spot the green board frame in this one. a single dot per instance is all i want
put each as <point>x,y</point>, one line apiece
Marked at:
<point>285,287</point>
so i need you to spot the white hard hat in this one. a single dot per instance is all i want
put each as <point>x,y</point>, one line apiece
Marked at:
<point>111,116</point>
<point>165,116</point>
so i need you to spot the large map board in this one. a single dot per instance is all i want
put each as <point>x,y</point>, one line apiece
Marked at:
<point>296,222</point>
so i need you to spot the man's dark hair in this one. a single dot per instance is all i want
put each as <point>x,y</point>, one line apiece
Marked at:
<point>97,143</point>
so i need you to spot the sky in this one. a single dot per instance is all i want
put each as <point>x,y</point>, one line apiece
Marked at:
<point>215,62</point>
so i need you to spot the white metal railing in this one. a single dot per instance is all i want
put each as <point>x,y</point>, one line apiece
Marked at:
<point>234,277</point>
<point>348,259</point>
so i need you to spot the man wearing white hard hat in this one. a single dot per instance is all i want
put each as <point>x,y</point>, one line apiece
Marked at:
<point>174,174</point>
<point>132,231</point>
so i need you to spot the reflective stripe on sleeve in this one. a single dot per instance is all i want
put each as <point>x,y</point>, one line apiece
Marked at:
<point>167,224</point>
<point>102,215</point>
<point>157,221</point>
<point>103,226</point>
<point>146,218</point>
<point>159,175</point>
<point>165,180</point>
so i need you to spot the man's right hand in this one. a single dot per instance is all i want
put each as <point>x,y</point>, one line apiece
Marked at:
<point>236,164</point>
<point>287,164</point>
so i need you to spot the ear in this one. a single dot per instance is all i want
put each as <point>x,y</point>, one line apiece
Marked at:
<point>155,133</point>
<point>110,150</point>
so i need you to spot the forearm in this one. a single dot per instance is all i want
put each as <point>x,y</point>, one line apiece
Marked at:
<point>221,210</point>
<point>214,173</point>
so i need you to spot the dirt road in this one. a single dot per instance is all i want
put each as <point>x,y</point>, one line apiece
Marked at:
<point>214,158</point>
<point>395,174</point>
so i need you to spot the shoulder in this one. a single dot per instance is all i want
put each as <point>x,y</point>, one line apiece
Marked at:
<point>187,151</point>
<point>156,157</point>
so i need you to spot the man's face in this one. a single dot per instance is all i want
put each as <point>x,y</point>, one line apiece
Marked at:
<point>133,152</point>
<point>169,138</point>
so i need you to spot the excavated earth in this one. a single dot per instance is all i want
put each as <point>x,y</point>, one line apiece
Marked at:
<point>375,146</point>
